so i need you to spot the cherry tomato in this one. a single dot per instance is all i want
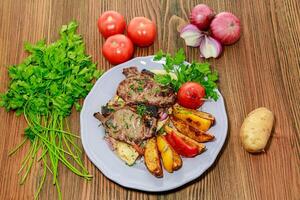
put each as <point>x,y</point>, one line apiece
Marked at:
<point>111,23</point>
<point>180,146</point>
<point>117,49</point>
<point>190,95</point>
<point>141,31</point>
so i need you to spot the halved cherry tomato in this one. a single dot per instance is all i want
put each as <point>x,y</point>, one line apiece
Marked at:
<point>117,49</point>
<point>141,31</point>
<point>111,23</point>
<point>180,146</point>
<point>190,95</point>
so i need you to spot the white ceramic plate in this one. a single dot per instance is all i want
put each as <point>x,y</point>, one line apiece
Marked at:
<point>137,176</point>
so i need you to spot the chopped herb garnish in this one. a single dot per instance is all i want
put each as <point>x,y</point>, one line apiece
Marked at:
<point>140,89</point>
<point>157,90</point>
<point>131,87</point>
<point>141,109</point>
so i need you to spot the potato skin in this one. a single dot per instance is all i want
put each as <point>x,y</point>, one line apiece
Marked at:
<point>152,158</point>
<point>256,130</point>
<point>190,131</point>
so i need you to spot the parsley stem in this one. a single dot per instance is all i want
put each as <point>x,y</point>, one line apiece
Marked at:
<point>13,151</point>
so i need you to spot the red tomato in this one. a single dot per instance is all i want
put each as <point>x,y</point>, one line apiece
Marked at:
<point>180,146</point>
<point>141,31</point>
<point>117,49</point>
<point>190,95</point>
<point>111,23</point>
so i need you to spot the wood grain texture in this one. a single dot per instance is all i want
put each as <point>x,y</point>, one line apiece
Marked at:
<point>262,69</point>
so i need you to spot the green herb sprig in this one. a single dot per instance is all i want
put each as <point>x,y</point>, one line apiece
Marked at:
<point>196,72</point>
<point>44,88</point>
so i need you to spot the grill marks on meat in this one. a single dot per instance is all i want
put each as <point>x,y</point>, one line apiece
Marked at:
<point>126,125</point>
<point>140,88</point>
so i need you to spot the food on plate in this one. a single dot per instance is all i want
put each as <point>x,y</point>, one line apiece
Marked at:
<point>194,72</point>
<point>179,109</point>
<point>124,151</point>
<point>180,146</point>
<point>140,87</point>
<point>166,153</point>
<point>44,88</point>
<point>191,131</point>
<point>152,159</point>
<point>190,95</point>
<point>111,23</point>
<point>187,140</point>
<point>142,31</point>
<point>177,161</point>
<point>126,125</point>
<point>117,49</point>
<point>143,119</point>
<point>195,120</point>
<point>225,27</point>
<point>201,16</point>
<point>256,129</point>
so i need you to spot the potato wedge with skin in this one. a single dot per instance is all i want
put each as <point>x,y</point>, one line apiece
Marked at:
<point>177,161</point>
<point>166,153</point>
<point>126,152</point>
<point>201,147</point>
<point>179,109</point>
<point>152,159</point>
<point>190,131</point>
<point>193,119</point>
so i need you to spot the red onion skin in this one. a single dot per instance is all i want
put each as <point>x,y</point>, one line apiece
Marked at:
<point>212,41</point>
<point>201,16</point>
<point>225,28</point>
<point>191,28</point>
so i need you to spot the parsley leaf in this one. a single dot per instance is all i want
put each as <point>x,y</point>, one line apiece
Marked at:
<point>196,72</point>
<point>44,88</point>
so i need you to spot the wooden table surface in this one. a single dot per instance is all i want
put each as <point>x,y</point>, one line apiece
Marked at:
<point>261,69</point>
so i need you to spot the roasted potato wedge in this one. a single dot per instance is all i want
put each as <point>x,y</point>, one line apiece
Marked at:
<point>152,159</point>
<point>126,152</point>
<point>193,120</point>
<point>177,161</point>
<point>190,131</point>
<point>179,109</point>
<point>166,153</point>
<point>201,147</point>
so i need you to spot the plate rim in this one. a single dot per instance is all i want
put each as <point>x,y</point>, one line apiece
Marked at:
<point>132,184</point>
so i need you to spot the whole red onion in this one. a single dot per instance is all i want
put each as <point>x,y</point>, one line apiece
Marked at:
<point>225,28</point>
<point>201,16</point>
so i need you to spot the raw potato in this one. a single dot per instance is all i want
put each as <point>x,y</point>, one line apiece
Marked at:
<point>256,129</point>
<point>152,159</point>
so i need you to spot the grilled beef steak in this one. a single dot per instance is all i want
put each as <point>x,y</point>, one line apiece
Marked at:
<point>140,88</point>
<point>126,125</point>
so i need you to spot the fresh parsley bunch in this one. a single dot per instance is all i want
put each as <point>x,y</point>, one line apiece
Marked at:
<point>44,88</point>
<point>195,72</point>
